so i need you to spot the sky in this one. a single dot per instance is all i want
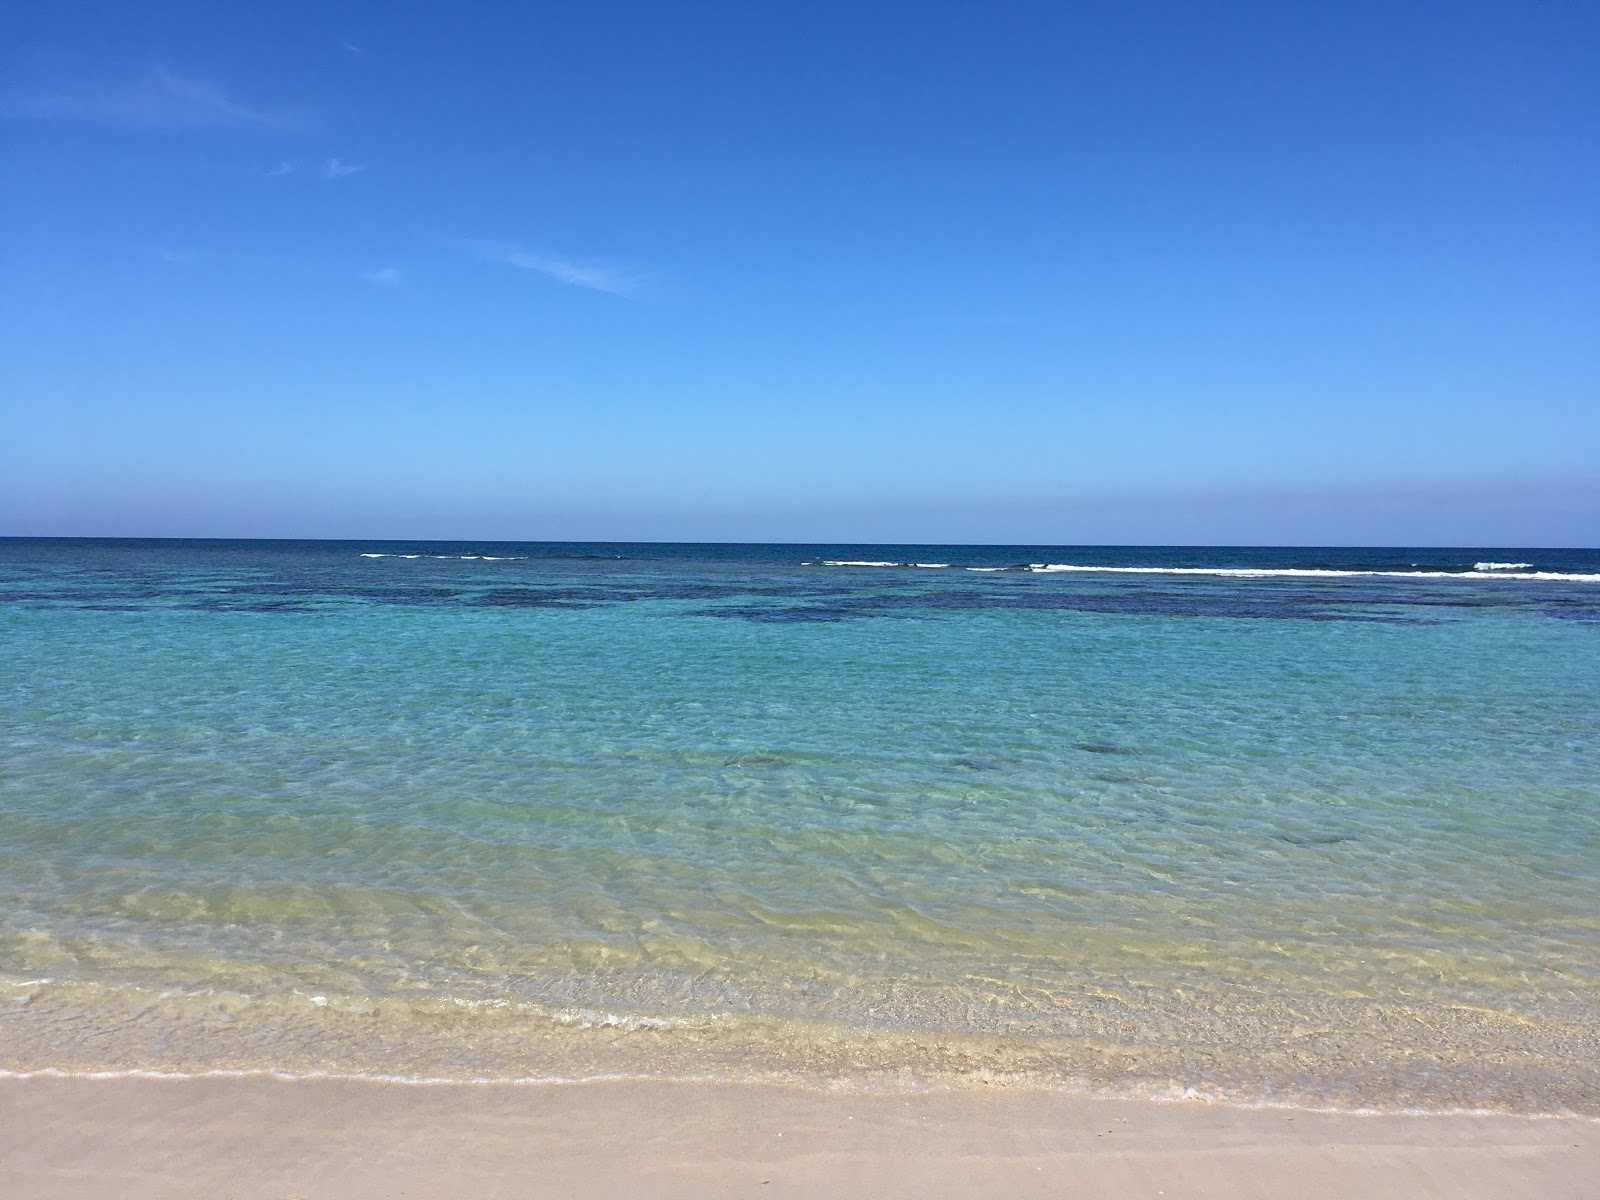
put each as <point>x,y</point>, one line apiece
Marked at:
<point>1198,272</point>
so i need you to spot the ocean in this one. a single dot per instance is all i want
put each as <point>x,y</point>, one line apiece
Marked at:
<point>1315,827</point>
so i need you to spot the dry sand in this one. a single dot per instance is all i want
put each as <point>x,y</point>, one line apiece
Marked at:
<point>346,1140</point>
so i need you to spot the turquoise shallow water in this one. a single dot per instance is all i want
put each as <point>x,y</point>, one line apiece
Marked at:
<point>542,811</point>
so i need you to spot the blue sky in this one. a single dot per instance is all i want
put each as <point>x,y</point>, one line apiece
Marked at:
<point>1105,272</point>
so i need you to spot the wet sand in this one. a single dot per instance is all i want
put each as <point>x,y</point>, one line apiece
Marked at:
<point>261,1138</point>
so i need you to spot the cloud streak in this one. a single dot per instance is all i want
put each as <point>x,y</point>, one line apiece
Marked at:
<point>160,100</point>
<point>331,168</point>
<point>581,275</point>
<point>386,276</point>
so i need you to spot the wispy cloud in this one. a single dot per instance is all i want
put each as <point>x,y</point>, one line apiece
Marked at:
<point>583,275</point>
<point>160,100</point>
<point>387,276</point>
<point>328,168</point>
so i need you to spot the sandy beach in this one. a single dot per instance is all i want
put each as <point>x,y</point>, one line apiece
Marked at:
<point>260,1138</point>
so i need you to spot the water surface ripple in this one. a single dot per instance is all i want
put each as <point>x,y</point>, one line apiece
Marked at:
<point>1316,826</point>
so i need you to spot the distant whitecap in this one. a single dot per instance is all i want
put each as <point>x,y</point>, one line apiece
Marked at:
<point>1501,571</point>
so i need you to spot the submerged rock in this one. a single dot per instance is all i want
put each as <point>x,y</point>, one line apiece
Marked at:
<point>986,764</point>
<point>1105,748</point>
<point>1315,839</point>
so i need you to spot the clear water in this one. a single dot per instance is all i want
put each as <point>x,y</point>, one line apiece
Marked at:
<point>536,811</point>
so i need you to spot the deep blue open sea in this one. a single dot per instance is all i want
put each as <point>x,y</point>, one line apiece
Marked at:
<point>1310,826</point>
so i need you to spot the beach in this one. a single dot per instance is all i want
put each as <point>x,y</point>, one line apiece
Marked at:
<point>261,1139</point>
<point>1151,750</point>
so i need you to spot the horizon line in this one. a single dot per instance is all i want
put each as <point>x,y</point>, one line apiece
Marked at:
<point>95,537</point>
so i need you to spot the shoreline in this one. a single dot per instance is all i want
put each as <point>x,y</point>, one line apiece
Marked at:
<point>832,1088</point>
<point>1461,1064</point>
<point>256,1137</point>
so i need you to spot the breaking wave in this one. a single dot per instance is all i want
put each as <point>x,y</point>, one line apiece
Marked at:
<point>1479,571</point>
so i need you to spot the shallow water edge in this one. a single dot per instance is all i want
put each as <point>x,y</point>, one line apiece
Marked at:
<point>1374,1062</point>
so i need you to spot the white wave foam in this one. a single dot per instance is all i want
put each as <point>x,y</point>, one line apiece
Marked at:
<point>589,1018</point>
<point>456,557</point>
<point>1173,1093</point>
<point>1479,571</point>
<point>1310,573</point>
<point>353,1076</point>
